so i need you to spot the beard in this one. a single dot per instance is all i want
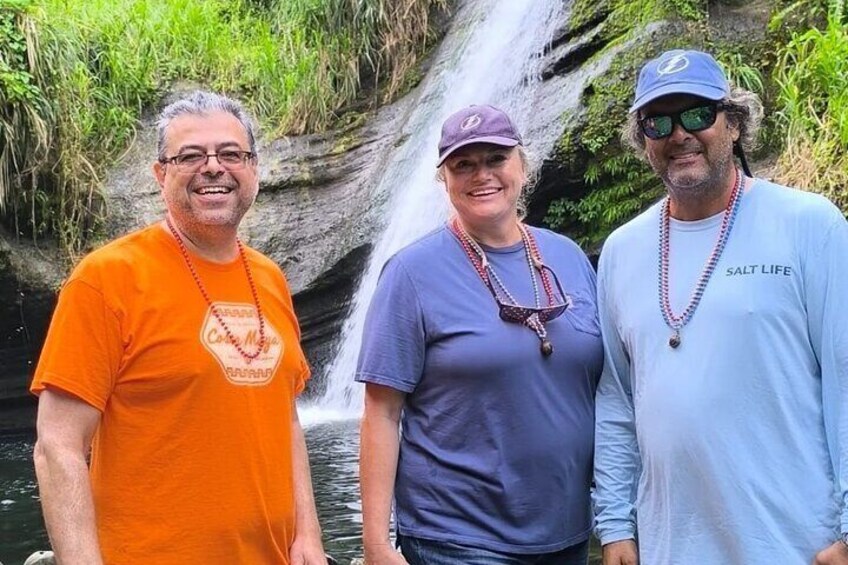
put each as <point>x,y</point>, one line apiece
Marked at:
<point>704,183</point>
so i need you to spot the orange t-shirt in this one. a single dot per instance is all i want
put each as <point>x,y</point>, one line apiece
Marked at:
<point>192,460</point>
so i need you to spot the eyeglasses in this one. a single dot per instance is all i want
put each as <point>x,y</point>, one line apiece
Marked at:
<point>521,314</point>
<point>694,119</point>
<point>192,161</point>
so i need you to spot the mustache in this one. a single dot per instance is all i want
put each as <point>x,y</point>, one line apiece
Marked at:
<point>687,148</point>
<point>229,182</point>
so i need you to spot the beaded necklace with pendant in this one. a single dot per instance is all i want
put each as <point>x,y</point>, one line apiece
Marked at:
<point>247,356</point>
<point>491,279</point>
<point>672,320</point>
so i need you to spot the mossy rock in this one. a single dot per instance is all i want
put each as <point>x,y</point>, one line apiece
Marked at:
<point>616,185</point>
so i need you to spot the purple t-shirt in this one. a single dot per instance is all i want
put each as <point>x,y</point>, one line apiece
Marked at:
<point>496,441</point>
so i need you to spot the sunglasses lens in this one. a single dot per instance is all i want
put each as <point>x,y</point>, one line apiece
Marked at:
<point>693,119</point>
<point>520,314</point>
<point>699,118</point>
<point>548,314</point>
<point>657,127</point>
<point>514,314</point>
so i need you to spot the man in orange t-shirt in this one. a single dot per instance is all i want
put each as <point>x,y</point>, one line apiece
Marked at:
<point>174,357</point>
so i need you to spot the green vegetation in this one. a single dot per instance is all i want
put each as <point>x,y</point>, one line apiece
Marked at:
<point>620,185</point>
<point>624,15</point>
<point>812,108</point>
<point>75,76</point>
<point>25,118</point>
<point>802,77</point>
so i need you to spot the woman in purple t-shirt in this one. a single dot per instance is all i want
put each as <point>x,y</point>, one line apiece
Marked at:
<point>482,340</point>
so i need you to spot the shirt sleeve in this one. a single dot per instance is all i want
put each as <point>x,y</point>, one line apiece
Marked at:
<point>617,459</point>
<point>393,340</point>
<point>304,372</point>
<point>83,349</point>
<point>826,287</point>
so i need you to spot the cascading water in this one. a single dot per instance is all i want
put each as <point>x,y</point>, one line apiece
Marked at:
<point>493,59</point>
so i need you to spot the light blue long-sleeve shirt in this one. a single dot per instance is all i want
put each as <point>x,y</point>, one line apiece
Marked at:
<point>726,450</point>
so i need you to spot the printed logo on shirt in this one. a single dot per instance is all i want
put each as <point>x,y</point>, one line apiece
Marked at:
<point>243,322</point>
<point>774,270</point>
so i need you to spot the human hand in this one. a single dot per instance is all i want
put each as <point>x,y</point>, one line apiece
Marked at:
<point>307,550</point>
<point>383,554</point>
<point>622,552</point>
<point>835,554</point>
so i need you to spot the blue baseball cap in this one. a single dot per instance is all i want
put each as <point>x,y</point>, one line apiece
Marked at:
<point>476,124</point>
<point>680,72</point>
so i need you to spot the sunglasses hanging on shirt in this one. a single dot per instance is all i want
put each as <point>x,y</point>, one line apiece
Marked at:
<point>534,317</point>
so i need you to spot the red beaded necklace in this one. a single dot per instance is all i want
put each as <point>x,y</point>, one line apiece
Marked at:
<point>248,357</point>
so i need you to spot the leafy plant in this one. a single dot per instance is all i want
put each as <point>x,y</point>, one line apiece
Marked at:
<point>813,108</point>
<point>621,187</point>
<point>740,73</point>
<point>25,134</point>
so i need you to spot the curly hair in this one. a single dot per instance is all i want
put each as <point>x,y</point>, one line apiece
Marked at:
<point>743,108</point>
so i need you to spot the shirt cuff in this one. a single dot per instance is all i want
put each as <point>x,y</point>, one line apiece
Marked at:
<point>617,534</point>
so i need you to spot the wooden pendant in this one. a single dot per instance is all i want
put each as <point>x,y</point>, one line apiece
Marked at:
<point>546,347</point>
<point>674,340</point>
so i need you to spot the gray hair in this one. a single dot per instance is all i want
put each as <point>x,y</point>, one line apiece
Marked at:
<point>531,177</point>
<point>743,108</point>
<point>198,103</point>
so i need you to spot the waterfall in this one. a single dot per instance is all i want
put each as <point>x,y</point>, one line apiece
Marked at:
<point>491,55</point>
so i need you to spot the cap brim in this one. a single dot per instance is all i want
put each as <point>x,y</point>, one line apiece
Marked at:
<point>695,89</point>
<point>493,139</point>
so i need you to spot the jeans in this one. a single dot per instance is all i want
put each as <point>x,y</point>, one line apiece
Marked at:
<point>418,551</point>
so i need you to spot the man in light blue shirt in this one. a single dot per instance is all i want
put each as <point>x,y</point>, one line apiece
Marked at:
<point>722,412</point>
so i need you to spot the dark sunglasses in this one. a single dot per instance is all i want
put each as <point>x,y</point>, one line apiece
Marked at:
<point>694,119</point>
<point>520,314</point>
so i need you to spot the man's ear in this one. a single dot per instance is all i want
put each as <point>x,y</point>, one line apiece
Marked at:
<point>735,130</point>
<point>159,173</point>
<point>734,126</point>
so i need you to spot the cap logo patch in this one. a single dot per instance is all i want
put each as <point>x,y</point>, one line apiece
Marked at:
<point>673,65</point>
<point>470,122</point>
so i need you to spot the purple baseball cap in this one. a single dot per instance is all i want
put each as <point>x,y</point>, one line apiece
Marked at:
<point>680,72</point>
<point>476,124</point>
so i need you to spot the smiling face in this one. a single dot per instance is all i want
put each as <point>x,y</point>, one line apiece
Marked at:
<point>212,196</point>
<point>484,182</point>
<point>692,164</point>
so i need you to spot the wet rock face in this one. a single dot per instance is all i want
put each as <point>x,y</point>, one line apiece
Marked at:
<point>29,277</point>
<point>322,309</point>
<point>318,202</point>
<point>316,215</point>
